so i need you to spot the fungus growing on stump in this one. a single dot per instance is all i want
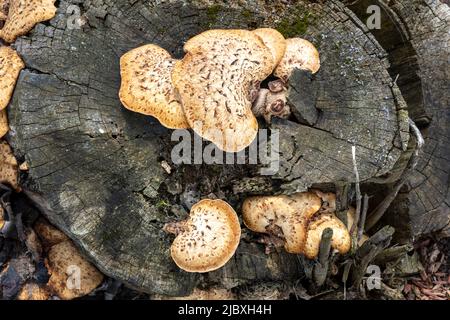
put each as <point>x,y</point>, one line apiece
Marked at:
<point>147,85</point>
<point>300,54</point>
<point>20,16</point>
<point>273,40</point>
<point>207,239</point>
<point>296,220</point>
<point>218,80</point>
<point>340,241</point>
<point>289,213</point>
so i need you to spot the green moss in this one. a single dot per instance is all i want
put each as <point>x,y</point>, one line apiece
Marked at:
<point>162,204</point>
<point>212,13</point>
<point>247,14</point>
<point>298,26</point>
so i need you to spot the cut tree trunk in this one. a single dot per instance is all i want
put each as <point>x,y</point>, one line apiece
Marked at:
<point>416,35</point>
<point>97,167</point>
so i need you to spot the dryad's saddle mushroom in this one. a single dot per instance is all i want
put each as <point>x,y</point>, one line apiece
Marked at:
<point>299,220</point>
<point>208,239</point>
<point>20,16</point>
<point>290,213</point>
<point>147,85</point>
<point>216,79</point>
<point>275,41</point>
<point>341,240</point>
<point>300,54</point>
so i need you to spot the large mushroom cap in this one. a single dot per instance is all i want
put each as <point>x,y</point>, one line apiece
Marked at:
<point>23,15</point>
<point>65,265</point>
<point>208,239</point>
<point>340,241</point>
<point>10,66</point>
<point>300,54</point>
<point>275,41</point>
<point>4,127</point>
<point>215,80</point>
<point>9,172</point>
<point>290,213</point>
<point>147,85</point>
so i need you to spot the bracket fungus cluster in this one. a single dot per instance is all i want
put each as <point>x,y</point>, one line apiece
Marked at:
<point>207,239</point>
<point>215,89</point>
<point>297,220</point>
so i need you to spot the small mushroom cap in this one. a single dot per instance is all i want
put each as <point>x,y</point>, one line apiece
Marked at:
<point>4,127</point>
<point>300,54</point>
<point>147,85</point>
<point>215,80</point>
<point>275,41</point>
<point>209,237</point>
<point>32,291</point>
<point>340,241</point>
<point>9,168</point>
<point>291,213</point>
<point>23,15</point>
<point>10,66</point>
<point>64,262</point>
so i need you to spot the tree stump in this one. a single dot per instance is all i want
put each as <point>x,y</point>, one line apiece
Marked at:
<point>97,166</point>
<point>416,35</point>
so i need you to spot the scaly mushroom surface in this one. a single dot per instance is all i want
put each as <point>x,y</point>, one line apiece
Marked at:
<point>275,41</point>
<point>147,85</point>
<point>299,220</point>
<point>23,15</point>
<point>10,66</point>
<point>217,81</point>
<point>300,54</point>
<point>289,213</point>
<point>208,239</point>
<point>341,240</point>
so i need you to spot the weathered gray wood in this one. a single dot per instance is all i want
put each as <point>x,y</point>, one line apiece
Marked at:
<point>356,103</point>
<point>416,35</point>
<point>97,166</point>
